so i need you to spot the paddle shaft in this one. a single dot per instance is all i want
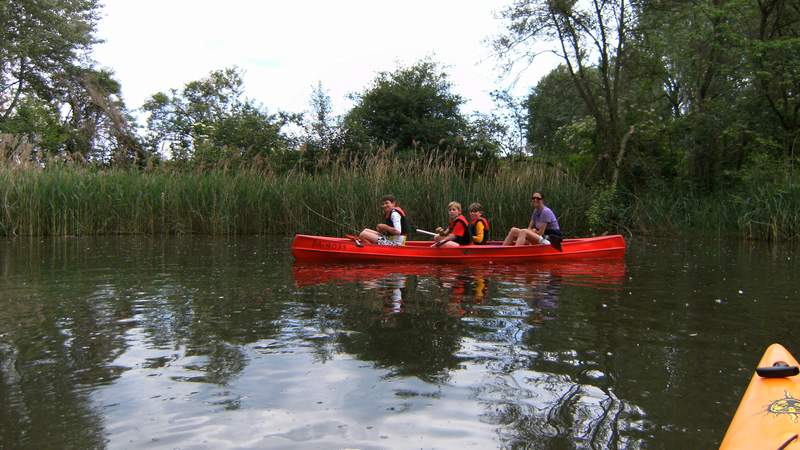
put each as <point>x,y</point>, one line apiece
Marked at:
<point>429,233</point>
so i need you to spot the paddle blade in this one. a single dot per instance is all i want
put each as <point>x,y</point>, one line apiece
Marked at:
<point>354,239</point>
<point>555,242</point>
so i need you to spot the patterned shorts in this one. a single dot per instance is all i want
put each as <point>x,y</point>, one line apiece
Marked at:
<point>383,240</point>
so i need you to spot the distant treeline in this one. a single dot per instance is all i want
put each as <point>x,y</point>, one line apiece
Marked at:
<point>663,115</point>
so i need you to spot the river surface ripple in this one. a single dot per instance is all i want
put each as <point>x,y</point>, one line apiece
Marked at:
<point>200,342</point>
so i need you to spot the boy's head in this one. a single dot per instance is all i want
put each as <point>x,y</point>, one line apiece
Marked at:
<point>475,210</point>
<point>388,203</point>
<point>454,208</point>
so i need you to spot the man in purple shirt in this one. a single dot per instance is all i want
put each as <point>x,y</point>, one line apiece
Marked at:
<point>542,229</point>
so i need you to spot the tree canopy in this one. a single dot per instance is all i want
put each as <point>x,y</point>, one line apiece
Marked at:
<point>52,95</point>
<point>411,107</point>
<point>705,93</point>
<point>211,114</point>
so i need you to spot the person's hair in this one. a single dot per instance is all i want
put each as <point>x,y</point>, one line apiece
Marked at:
<point>476,207</point>
<point>456,204</point>
<point>389,197</point>
<point>540,194</point>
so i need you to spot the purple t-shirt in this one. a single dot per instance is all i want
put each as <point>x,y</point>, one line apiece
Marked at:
<point>545,216</point>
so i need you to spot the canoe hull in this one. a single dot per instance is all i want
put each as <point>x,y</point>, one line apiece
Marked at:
<point>308,248</point>
<point>769,414</point>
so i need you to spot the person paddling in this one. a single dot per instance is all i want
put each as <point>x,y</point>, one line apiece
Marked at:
<point>542,228</point>
<point>394,229</point>
<point>457,232</point>
<point>478,226</point>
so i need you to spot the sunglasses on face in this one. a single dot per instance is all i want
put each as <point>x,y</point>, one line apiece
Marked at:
<point>536,198</point>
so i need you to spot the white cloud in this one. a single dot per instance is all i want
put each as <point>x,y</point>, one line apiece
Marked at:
<point>285,48</point>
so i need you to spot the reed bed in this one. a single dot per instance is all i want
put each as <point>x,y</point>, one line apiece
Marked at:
<point>67,199</point>
<point>342,197</point>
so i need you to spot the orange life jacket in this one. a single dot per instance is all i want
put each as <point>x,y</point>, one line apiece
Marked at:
<point>466,238</point>
<point>485,230</point>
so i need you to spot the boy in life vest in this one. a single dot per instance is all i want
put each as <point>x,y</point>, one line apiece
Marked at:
<point>478,225</point>
<point>394,229</point>
<point>457,232</point>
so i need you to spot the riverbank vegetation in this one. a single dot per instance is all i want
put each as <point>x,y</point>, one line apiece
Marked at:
<point>663,117</point>
<point>340,196</point>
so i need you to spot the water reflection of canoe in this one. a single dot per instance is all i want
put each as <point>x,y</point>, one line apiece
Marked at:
<point>768,414</point>
<point>323,248</point>
<point>596,272</point>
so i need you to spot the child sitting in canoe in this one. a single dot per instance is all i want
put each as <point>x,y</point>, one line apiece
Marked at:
<point>457,232</point>
<point>478,225</point>
<point>394,229</point>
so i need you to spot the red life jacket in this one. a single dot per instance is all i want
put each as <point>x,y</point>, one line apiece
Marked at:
<point>466,238</point>
<point>485,230</point>
<point>403,223</point>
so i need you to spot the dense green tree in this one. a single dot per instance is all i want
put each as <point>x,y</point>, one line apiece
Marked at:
<point>33,121</point>
<point>412,107</point>
<point>592,39</point>
<point>699,48</point>
<point>39,41</point>
<point>52,97</point>
<point>210,115</point>
<point>775,57</point>
<point>553,104</point>
<point>705,91</point>
<point>728,89</point>
<point>321,129</point>
<point>98,125</point>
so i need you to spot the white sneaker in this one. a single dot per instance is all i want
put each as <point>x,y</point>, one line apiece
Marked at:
<point>544,241</point>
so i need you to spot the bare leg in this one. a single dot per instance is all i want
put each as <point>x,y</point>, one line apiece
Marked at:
<point>512,236</point>
<point>528,237</point>
<point>450,244</point>
<point>370,236</point>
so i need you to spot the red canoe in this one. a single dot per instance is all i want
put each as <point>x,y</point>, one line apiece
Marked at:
<point>333,249</point>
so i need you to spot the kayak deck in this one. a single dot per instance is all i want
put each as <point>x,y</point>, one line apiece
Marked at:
<point>769,414</point>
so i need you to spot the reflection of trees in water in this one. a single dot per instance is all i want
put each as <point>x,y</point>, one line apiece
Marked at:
<point>541,390</point>
<point>410,335</point>
<point>50,351</point>
<point>557,410</point>
<point>85,302</point>
<point>561,391</point>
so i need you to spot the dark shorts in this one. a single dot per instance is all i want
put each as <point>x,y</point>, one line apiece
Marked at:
<point>553,233</point>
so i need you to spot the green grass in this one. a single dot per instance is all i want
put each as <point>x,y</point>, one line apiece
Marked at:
<point>64,199</point>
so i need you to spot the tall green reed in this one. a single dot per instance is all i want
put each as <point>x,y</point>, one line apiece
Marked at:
<point>342,196</point>
<point>67,199</point>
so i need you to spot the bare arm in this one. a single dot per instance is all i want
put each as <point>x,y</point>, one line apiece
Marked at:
<point>386,229</point>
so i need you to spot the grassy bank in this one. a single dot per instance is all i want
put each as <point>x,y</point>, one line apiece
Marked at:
<point>73,200</point>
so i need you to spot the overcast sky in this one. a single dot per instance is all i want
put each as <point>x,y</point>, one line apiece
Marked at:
<point>286,47</point>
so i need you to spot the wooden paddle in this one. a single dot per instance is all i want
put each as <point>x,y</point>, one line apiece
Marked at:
<point>429,233</point>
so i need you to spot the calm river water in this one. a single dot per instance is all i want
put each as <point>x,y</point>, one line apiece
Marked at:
<point>199,342</point>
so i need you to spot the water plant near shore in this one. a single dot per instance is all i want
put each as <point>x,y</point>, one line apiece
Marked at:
<point>341,196</point>
<point>68,199</point>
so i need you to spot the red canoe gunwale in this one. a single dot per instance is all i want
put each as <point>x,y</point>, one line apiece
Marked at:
<point>335,249</point>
